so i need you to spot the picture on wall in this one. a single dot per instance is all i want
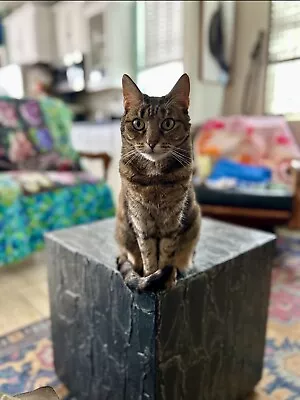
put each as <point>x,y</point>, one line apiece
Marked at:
<point>217,32</point>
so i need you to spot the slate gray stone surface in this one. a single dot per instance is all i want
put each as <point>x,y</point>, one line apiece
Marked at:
<point>202,340</point>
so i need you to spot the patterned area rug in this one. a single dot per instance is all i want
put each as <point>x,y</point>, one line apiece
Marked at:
<point>26,360</point>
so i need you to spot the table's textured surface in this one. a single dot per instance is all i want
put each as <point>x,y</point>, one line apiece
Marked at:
<point>203,339</point>
<point>219,242</point>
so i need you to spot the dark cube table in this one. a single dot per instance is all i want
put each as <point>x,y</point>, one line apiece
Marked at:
<point>204,339</point>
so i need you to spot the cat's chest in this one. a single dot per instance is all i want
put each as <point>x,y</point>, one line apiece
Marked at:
<point>158,199</point>
<point>163,193</point>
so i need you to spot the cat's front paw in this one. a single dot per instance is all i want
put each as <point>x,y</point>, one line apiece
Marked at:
<point>120,260</point>
<point>130,277</point>
<point>160,280</point>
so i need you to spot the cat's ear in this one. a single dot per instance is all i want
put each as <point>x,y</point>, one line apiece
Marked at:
<point>132,96</point>
<point>181,92</point>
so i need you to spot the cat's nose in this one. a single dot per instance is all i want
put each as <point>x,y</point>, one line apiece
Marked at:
<point>152,145</point>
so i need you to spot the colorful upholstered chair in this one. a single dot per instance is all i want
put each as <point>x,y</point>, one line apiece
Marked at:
<point>41,185</point>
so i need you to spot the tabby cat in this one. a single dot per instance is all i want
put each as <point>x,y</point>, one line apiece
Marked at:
<point>158,219</point>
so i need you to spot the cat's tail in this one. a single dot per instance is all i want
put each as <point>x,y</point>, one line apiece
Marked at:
<point>154,282</point>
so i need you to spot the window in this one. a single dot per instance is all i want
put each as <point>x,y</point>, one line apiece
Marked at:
<point>159,45</point>
<point>283,73</point>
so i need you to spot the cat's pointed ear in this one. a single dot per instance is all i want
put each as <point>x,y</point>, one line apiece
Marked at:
<point>132,96</point>
<point>181,91</point>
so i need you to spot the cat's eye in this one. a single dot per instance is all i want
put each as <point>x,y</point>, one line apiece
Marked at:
<point>168,124</point>
<point>138,124</point>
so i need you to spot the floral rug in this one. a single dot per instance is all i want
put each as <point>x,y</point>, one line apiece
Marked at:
<point>26,360</point>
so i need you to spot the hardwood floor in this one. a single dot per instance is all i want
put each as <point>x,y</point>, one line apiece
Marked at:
<point>23,293</point>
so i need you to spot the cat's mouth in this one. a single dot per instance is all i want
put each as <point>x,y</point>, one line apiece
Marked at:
<point>154,156</point>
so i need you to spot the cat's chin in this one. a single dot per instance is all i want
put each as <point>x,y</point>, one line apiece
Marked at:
<point>154,156</point>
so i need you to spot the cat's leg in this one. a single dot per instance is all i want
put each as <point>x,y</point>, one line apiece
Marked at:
<point>148,249</point>
<point>186,246</point>
<point>167,251</point>
<point>130,260</point>
<point>143,225</point>
<point>128,245</point>
<point>178,249</point>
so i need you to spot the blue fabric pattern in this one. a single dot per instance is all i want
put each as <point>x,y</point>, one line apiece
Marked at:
<point>24,222</point>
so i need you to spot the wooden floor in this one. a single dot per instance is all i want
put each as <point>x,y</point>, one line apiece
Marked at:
<point>23,293</point>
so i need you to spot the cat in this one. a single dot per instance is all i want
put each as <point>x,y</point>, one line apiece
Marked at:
<point>158,218</point>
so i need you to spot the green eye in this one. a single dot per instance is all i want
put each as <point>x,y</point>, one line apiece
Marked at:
<point>168,124</point>
<point>138,124</point>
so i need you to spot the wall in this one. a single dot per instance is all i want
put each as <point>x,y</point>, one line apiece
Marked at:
<point>120,21</point>
<point>252,16</point>
<point>102,102</point>
<point>206,99</point>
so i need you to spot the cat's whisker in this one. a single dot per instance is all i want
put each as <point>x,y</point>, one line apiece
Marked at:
<point>176,158</point>
<point>182,154</point>
<point>183,157</point>
<point>132,158</point>
<point>182,150</point>
<point>185,161</point>
<point>182,161</point>
<point>128,154</point>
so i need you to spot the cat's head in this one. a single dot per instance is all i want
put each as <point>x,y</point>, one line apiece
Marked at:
<point>156,128</point>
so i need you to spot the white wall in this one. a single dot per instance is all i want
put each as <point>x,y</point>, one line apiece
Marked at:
<point>206,98</point>
<point>252,16</point>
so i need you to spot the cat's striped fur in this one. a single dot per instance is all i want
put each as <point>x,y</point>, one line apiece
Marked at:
<point>158,219</point>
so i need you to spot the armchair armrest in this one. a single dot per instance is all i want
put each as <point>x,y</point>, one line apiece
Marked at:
<point>106,159</point>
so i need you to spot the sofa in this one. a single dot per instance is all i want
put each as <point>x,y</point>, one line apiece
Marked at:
<point>42,186</point>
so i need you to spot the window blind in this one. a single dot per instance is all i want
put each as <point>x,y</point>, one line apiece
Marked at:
<point>162,30</point>
<point>284,42</point>
<point>283,83</point>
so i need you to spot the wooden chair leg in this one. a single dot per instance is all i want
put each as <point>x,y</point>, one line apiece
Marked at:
<point>294,222</point>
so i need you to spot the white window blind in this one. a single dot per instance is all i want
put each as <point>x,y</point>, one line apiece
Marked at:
<point>283,72</point>
<point>160,32</point>
<point>285,31</point>
<point>159,80</point>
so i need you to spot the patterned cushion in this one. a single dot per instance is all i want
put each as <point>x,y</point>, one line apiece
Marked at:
<point>30,129</point>
<point>16,146</point>
<point>41,138</point>
<point>9,117</point>
<point>58,119</point>
<point>20,122</point>
<point>31,182</point>
<point>30,113</point>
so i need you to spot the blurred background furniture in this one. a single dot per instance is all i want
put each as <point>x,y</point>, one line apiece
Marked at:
<point>248,171</point>
<point>97,141</point>
<point>42,186</point>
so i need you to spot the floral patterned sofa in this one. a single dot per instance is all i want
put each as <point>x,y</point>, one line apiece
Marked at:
<point>41,185</point>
